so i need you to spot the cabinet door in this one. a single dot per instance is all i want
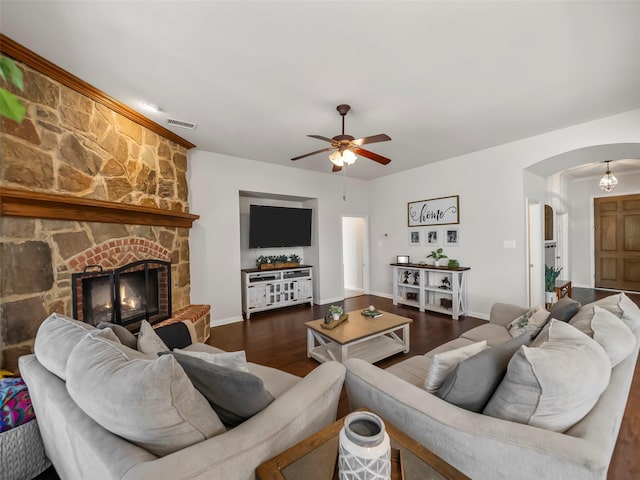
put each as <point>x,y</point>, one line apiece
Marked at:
<point>305,288</point>
<point>290,291</point>
<point>274,293</point>
<point>257,297</point>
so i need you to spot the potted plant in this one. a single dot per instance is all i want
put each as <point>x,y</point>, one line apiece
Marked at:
<point>453,263</point>
<point>437,255</point>
<point>550,276</point>
<point>336,311</point>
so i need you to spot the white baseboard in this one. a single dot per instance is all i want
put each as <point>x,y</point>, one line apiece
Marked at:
<point>383,295</point>
<point>225,321</point>
<point>481,316</point>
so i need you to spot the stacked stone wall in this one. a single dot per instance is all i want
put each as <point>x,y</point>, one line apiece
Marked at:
<point>70,144</point>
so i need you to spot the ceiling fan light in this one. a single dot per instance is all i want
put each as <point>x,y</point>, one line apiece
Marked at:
<point>336,159</point>
<point>608,181</point>
<point>349,157</point>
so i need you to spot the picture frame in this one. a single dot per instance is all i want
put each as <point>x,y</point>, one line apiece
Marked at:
<point>452,237</point>
<point>415,237</point>
<point>402,259</point>
<point>433,237</point>
<point>434,211</point>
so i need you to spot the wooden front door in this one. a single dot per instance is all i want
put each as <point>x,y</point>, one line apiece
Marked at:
<point>617,242</point>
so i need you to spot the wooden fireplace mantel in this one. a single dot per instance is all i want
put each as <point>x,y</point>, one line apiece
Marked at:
<point>25,203</point>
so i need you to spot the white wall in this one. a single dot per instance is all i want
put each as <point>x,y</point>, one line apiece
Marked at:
<point>492,188</point>
<point>215,182</point>
<point>491,183</point>
<point>580,195</point>
<point>353,252</point>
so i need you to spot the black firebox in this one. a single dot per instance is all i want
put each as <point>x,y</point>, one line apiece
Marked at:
<point>124,296</point>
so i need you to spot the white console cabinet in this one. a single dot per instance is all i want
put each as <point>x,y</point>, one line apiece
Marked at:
<point>268,289</point>
<point>439,289</point>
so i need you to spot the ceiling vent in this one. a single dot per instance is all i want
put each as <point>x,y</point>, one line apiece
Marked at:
<point>181,124</point>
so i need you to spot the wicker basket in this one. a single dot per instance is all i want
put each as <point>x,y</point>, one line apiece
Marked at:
<point>22,452</point>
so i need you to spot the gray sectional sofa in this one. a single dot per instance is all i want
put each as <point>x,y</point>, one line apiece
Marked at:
<point>485,447</point>
<point>189,442</point>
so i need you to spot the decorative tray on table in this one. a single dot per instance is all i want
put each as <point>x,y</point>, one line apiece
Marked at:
<point>334,323</point>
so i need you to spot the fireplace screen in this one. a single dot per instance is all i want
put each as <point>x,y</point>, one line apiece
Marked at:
<point>125,296</point>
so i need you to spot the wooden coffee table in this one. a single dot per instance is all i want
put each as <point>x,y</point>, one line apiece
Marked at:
<point>315,458</point>
<point>370,339</point>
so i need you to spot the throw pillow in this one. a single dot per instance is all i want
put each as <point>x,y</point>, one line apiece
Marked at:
<point>234,360</point>
<point>151,403</point>
<point>125,336</point>
<point>473,381</point>
<point>555,385</point>
<point>174,335</point>
<point>564,309</point>
<point>613,335</point>
<point>234,395</point>
<point>531,321</point>
<point>148,340</point>
<point>630,312</point>
<point>443,363</point>
<point>56,338</point>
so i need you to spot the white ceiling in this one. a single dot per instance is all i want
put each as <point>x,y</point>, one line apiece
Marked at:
<point>441,78</point>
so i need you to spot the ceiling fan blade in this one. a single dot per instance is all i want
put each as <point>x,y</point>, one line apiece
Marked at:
<point>313,153</point>
<point>373,156</point>
<point>381,137</point>
<point>320,137</point>
<point>336,168</point>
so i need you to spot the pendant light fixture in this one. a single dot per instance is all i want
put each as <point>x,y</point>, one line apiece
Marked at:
<point>608,181</point>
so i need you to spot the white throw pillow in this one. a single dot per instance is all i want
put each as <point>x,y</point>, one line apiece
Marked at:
<point>234,360</point>
<point>444,363</point>
<point>613,335</point>
<point>148,340</point>
<point>555,385</point>
<point>149,402</point>
<point>630,312</point>
<point>531,321</point>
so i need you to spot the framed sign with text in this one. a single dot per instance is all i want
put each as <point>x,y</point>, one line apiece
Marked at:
<point>435,211</point>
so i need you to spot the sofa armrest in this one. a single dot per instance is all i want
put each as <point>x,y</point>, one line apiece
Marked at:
<point>307,407</point>
<point>478,445</point>
<point>504,313</point>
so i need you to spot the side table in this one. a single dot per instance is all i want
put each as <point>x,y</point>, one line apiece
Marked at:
<point>315,458</point>
<point>563,288</point>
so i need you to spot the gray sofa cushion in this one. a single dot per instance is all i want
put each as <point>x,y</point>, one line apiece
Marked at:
<point>445,362</point>
<point>494,334</point>
<point>613,335</point>
<point>564,309</point>
<point>151,403</point>
<point>56,338</point>
<point>233,394</point>
<point>555,385</point>
<point>474,380</point>
<point>125,336</point>
<point>148,340</point>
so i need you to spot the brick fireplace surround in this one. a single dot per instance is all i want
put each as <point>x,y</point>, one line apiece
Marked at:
<point>84,180</point>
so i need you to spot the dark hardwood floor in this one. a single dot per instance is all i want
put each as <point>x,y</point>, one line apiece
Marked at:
<point>278,339</point>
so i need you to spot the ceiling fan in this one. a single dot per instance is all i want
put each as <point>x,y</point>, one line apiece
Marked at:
<point>345,147</point>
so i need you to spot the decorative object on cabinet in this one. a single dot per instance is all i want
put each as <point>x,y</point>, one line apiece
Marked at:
<point>270,262</point>
<point>402,259</point>
<point>453,263</point>
<point>429,293</point>
<point>275,288</point>
<point>336,311</point>
<point>452,237</point>
<point>434,211</point>
<point>437,255</point>
<point>416,278</point>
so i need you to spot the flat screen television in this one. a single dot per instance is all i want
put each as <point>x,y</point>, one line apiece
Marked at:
<point>279,226</point>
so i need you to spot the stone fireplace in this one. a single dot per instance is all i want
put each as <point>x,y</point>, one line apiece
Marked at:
<point>84,180</point>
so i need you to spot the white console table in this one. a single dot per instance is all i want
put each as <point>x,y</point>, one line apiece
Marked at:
<point>268,289</point>
<point>439,289</point>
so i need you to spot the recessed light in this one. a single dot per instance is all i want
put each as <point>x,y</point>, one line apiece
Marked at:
<point>152,107</point>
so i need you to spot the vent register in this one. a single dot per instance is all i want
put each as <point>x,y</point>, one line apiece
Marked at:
<point>181,124</point>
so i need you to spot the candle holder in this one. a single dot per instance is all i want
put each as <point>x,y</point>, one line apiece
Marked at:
<point>365,449</point>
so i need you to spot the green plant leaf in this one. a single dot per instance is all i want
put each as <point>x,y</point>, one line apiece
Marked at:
<point>11,107</point>
<point>9,70</point>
